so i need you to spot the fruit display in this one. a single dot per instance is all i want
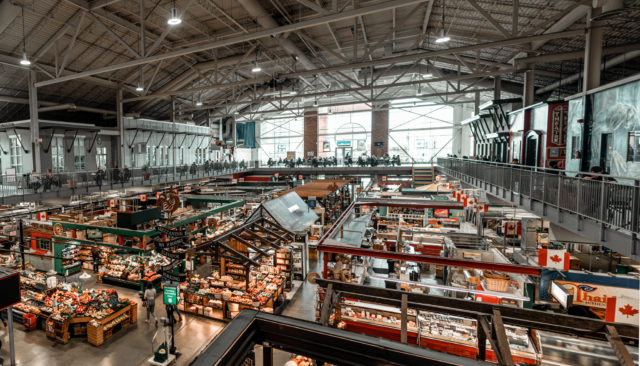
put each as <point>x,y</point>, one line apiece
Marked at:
<point>127,267</point>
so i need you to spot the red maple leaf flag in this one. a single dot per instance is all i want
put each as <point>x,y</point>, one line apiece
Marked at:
<point>628,310</point>
<point>556,258</point>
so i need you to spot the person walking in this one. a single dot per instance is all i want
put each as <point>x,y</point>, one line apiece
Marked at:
<point>150,302</point>
<point>95,254</point>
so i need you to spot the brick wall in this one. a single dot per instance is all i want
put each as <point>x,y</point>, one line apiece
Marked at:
<point>380,130</point>
<point>310,133</point>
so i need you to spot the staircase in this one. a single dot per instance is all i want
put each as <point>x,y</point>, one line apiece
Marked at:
<point>422,176</point>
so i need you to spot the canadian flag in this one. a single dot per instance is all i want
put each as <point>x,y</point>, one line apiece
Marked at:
<point>143,198</point>
<point>622,309</point>
<point>112,203</point>
<point>554,258</point>
<point>43,216</point>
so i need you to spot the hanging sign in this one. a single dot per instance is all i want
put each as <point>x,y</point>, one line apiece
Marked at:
<point>170,232</point>
<point>143,198</point>
<point>168,203</point>
<point>43,216</point>
<point>168,244</point>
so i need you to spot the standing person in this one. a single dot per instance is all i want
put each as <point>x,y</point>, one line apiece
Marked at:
<point>95,254</point>
<point>150,302</point>
<point>171,310</point>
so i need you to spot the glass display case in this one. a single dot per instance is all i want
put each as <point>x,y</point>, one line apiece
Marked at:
<point>458,335</point>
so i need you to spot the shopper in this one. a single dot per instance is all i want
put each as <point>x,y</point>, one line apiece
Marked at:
<point>95,254</point>
<point>171,310</point>
<point>150,302</point>
<point>598,174</point>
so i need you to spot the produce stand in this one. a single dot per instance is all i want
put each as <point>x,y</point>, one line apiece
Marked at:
<point>99,331</point>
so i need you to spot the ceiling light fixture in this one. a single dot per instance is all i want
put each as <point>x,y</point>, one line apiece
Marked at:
<point>175,19</point>
<point>24,61</point>
<point>198,104</point>
<point>315,103</point>
<point>256,68</point>
<point>443,37</point>
<point>293,92</point>
<point>139,88</point>
<point>419,93</point>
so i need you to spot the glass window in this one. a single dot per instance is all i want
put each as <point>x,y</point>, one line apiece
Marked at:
<point>101,157</point>
<point>57,154</point>
<point>633,152</point>
<point>181,156</point>
<point>151,156</point>
<point>16,153</point>
<point>44,244</point>
<point>80,154</point>
<point>575,147</point>
<point>422,133</point>
<point>278,136</point>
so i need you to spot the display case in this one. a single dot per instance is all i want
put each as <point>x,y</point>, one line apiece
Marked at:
<point>284,264</point>
<point>458,335</point>
<point>297,258</point>
<point>377,320</point>
<point>68,264</point>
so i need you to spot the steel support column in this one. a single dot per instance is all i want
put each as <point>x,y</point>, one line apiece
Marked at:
<point>120,125</point>
<point>497,87</point>
<point>34,125</point>
<point>592,51</point>
<point>528,95</point>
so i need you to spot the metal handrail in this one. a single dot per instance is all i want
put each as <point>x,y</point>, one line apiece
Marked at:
<point>615,204</point>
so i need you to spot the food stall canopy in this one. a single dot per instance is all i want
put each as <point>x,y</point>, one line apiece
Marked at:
<point>319,188</point>
<point>290,212</point>
<point>352,232</point>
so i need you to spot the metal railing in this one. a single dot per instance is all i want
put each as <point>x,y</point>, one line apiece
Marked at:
<point>103,180</point>
<point>606,199</point>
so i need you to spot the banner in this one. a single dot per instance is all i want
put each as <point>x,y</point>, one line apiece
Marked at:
<point>554,258</point>
<point>172,255</point>
<point>622,309</point>
<point>596,296</point>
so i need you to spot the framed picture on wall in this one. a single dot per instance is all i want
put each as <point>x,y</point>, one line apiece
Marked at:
<point>326,146</point>
<point>360,146</point>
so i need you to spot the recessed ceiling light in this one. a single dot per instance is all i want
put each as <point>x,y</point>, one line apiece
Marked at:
<point>25,61</point>
<point>293,92</point>
<point>443,38</point>
<point>427,75</point>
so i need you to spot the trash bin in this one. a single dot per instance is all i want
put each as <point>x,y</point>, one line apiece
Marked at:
<point>30,321</point>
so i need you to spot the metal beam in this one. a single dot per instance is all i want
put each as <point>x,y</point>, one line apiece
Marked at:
<point>526,318</point>
<point>97,4</point>
<point>312,23</point>
<point>420,258</point>
<point>114,36</point>
<point>489,18</point>
<point>427,16</point>
<point>500,335</point>
<point>620,349</point>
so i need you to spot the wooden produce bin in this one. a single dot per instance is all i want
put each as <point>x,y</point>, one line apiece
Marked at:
<point>96,335</point>
<point>58,331</point>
